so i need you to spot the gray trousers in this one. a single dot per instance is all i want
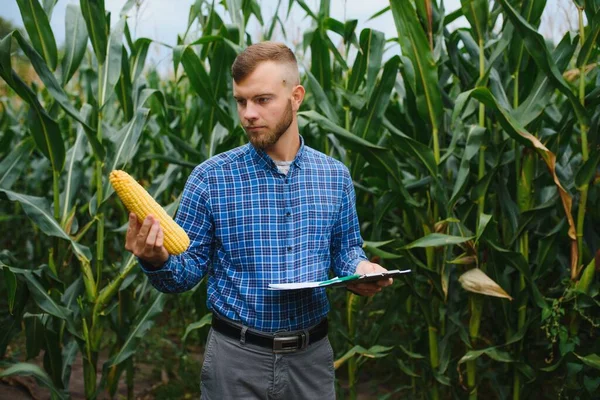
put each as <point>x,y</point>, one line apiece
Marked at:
<point>232,370</point>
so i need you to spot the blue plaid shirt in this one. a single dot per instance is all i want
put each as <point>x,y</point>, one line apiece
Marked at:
<point>250,225</point>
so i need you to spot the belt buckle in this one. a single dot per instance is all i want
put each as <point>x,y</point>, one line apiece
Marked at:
<point>289,344</point>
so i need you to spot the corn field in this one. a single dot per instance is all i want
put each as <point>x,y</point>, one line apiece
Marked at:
<point>474,152</point>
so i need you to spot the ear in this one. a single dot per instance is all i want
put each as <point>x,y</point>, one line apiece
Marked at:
<point>297,97</point>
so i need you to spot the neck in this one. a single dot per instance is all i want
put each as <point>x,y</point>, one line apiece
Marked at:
<point>287,146</point>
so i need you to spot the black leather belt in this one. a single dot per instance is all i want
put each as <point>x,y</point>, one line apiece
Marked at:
<point>279,342</point>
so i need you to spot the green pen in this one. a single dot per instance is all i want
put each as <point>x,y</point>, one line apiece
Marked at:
<point>342,279</point>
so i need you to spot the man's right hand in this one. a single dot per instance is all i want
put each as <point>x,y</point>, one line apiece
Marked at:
<point>145,240</point>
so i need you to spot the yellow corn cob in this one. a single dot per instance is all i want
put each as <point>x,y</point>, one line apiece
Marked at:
<point>139,201</point>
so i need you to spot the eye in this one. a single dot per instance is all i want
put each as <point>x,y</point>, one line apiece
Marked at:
<point>263,100</point>
<point>241,102</point>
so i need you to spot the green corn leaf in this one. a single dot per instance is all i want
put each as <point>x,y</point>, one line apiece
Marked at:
<point>26,369</point>
<point>43,298</point>
<point>591,41</point>
<point>587,171</point>
<point>379,13</point>
<point>304,6</point>
<point>127,7</point>
<point>49,79</point>
<point>516,131</point>
<point>69,353</point>
<point>349,29</point>
<point>44,129</point>
<point>199,78</point>
<point>368,60</point>
<point>373,352</point>
<point>138,59</point>
<point>592,360</point>
<point>205,320</point>
<point>374,248</point>
<point>34,333</point>
<point>415,46</point>
<point>234,8</point>
<point>38,210</point>
<point>480,189</point>
<point>125,142</point>
<point>221,59</point>
<point>110,70</point>
<point>453,16</point>
<point>95,21</point>
<point>57,92</point>
<point>536,46</point>
<point>406,369</point>
<point>413,148</point>
<point>411,354</point>
<point>38,28</point>
<point>138,330</point>
<point>384,204</point>
<point>341,61</point>
<point>477,13</point>
<point>491,352</point>
<point>592,8</point>
<point>377,155</point>
<point>49,7</point>
<point>10,280</point>
<point>483,222</point>
<point>540,97</point>
<point>76,40</point>
<point>124,88</point>
<point>14,163</point>
<point>475,139</point>
<point>74,171</point>
<point>518,262</point>
<point>436,240</point>
<point>369,119</point>
<point>340,132</point>
<point>531,11</point>
<point>52,356</point>
<point>321,100</point>
<point>320,59</point>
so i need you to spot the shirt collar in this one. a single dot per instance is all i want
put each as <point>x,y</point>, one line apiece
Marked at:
<point>265,161</point>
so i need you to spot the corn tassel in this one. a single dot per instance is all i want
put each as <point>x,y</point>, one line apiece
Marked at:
<point>139,201</point>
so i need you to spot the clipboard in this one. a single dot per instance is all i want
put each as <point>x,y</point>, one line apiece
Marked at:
<point>339,281</point>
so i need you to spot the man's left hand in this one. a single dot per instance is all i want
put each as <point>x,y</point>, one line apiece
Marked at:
<point>369,288</point>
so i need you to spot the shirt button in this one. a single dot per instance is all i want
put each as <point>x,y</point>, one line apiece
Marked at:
<point>289,248</point>
<point>287,214</point>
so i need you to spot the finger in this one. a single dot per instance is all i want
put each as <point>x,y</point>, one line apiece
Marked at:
<point>132,229</point>
<point>366,287</point>
<point>151,238</point>
<point>144,230</point>
<point>160,238</point>
<point>385,282</point>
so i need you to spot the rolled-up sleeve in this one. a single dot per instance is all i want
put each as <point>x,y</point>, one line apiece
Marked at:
<point>346,241</point>
<point>184,271</point>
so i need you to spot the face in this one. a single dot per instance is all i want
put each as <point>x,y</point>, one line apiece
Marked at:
<point>265,104</point>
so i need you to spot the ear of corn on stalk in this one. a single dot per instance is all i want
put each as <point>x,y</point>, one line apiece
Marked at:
<point>139,201</point>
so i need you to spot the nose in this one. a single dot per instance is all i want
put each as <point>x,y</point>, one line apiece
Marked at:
<point>250,112</point>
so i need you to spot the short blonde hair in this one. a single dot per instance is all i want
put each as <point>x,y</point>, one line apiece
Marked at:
<point>247,61</point>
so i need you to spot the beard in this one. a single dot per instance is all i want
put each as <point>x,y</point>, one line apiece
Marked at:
<point>266,138</point>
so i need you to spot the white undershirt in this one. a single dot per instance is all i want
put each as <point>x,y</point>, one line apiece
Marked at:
<point>283,166</point>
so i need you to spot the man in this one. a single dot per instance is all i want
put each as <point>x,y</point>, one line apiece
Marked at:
<point>272,211</point>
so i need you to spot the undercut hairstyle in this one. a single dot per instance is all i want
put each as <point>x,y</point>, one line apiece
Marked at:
<point>247,61</point>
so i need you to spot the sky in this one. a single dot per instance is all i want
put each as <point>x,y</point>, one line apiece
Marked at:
<point>162,20</point>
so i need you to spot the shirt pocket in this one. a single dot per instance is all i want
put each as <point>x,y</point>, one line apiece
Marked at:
<point>320,224</point>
